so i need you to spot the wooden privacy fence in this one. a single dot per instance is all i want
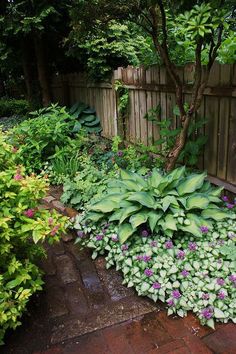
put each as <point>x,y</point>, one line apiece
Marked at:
<point>152,86</point>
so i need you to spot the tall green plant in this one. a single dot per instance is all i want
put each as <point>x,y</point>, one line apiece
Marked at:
<point>164,203</point>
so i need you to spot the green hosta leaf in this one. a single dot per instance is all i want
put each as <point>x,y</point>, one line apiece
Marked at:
<point>96,121</point>
<point>76,127</point>
<point>197,201</point>
<point>131,185</point>
<point>215,214</point>
<point>128,211</point>
<point>125,231</point>
<point>155,178</point>
<point>94,216</point>
<point>170,222</point>
<point>143,198</point>
<point>193,228</point>
<point>105,206</point>
<point>116,215</point>
<point>153,218</point>
<point>138,219</point>
<point>216,192</point>
<point>191,184</point>
<point>167,201</point>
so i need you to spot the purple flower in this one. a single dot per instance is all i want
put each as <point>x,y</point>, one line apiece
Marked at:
<point>169,244</point>
<point>146,258</point>
<point>180,254</point>
<point>124,247</point>
<point>139,258</point>
<point>170,302</point>
<point>205,296</point>
<point>153,243</point>
<point>204,229</point>
<point>114,238</point>
<point>145,233</point>
<point>99,237</point>
<point>207,313</point>
<point>221,295</point>
<point>229,205</point>
<point>80,234</point>
<point>176,294</point>
<point>156,285</point>
<point>120,153</point>
<point>225,198</point>
<point>232,278</point>
<point>148,272</point>
<point>185,273</point>
<point>29,213</point>
<point>192,246</point>
<point>220,281</point>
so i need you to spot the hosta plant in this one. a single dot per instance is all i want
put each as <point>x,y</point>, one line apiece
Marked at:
<point>186,273</point>
<point>162,203</point>
<point>24,226</point>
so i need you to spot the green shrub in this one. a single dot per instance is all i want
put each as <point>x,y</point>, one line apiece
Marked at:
<point>11,106</point>
<point>24,226</point>
<point>89,184</point>
<point>167,203</point>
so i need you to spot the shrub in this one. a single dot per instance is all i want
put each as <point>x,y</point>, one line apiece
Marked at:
<point>167,203</point>
<point>11,106</point>
<point>185,273</point>
<point>24,226</point>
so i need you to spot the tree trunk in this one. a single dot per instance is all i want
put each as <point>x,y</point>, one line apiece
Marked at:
<point>42,69</point>
<point>27,69</point>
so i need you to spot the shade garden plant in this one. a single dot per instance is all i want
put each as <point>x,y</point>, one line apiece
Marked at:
<point>24,227</point>
<point>172,237</point>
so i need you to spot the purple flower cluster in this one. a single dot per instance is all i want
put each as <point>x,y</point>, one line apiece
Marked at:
<point>80,234</point>
<point>184,273</point>
<point>145,233</point>
<point>115,238</point>
<point>229,205</point>
<point>176,294</point>
<point>207,313</point>
<point>220,281</point>
<point>156,285</point>
<point>144,258</point>
<point>225,198</point>
<point>120,153</point>
<point>99,237</point>
<point>221,295</point>
<point>192,246</point>
<point>124,247</point>
<point>29,213</point>
<point>204,229</point>
<point>232,278</point>
<point>180,255</point>
<point>170,302</point>
<point>148,272</point>
<point>205,296</point>
<point>153,243</point>
<point>169,244</point>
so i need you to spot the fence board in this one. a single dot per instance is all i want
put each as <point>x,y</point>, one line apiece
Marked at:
<point>150,87</point>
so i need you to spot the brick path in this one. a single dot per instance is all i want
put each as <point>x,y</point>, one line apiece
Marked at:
<point>86,310</point>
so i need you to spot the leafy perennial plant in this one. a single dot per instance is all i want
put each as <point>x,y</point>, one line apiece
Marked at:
<point>163,203</point>
<point>23,227</point>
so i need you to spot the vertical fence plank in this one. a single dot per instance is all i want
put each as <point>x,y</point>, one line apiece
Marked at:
<point>231,170</point>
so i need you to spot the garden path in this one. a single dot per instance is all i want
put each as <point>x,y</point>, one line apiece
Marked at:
<point>85,309</point>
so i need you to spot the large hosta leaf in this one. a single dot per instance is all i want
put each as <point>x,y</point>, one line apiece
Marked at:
<point>155,178</point>
<point>131,185</point>
<point>128,211</point>
<point>197,201</point>
<point>191,184</point>
<point>105,206</point>
<point>125,231</point>
<point>143,198</point>
<point>153,218</point>
<point>193,228</point>
<point>167,201</point>
<point>170,222</point>
<point>215,214</point>
<point>138,219</point>
<point>94,216</point>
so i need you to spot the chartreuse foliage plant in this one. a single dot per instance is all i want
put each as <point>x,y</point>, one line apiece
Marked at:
<point>186,273</point>
<point>163,203</point>
<point>23,227</point>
